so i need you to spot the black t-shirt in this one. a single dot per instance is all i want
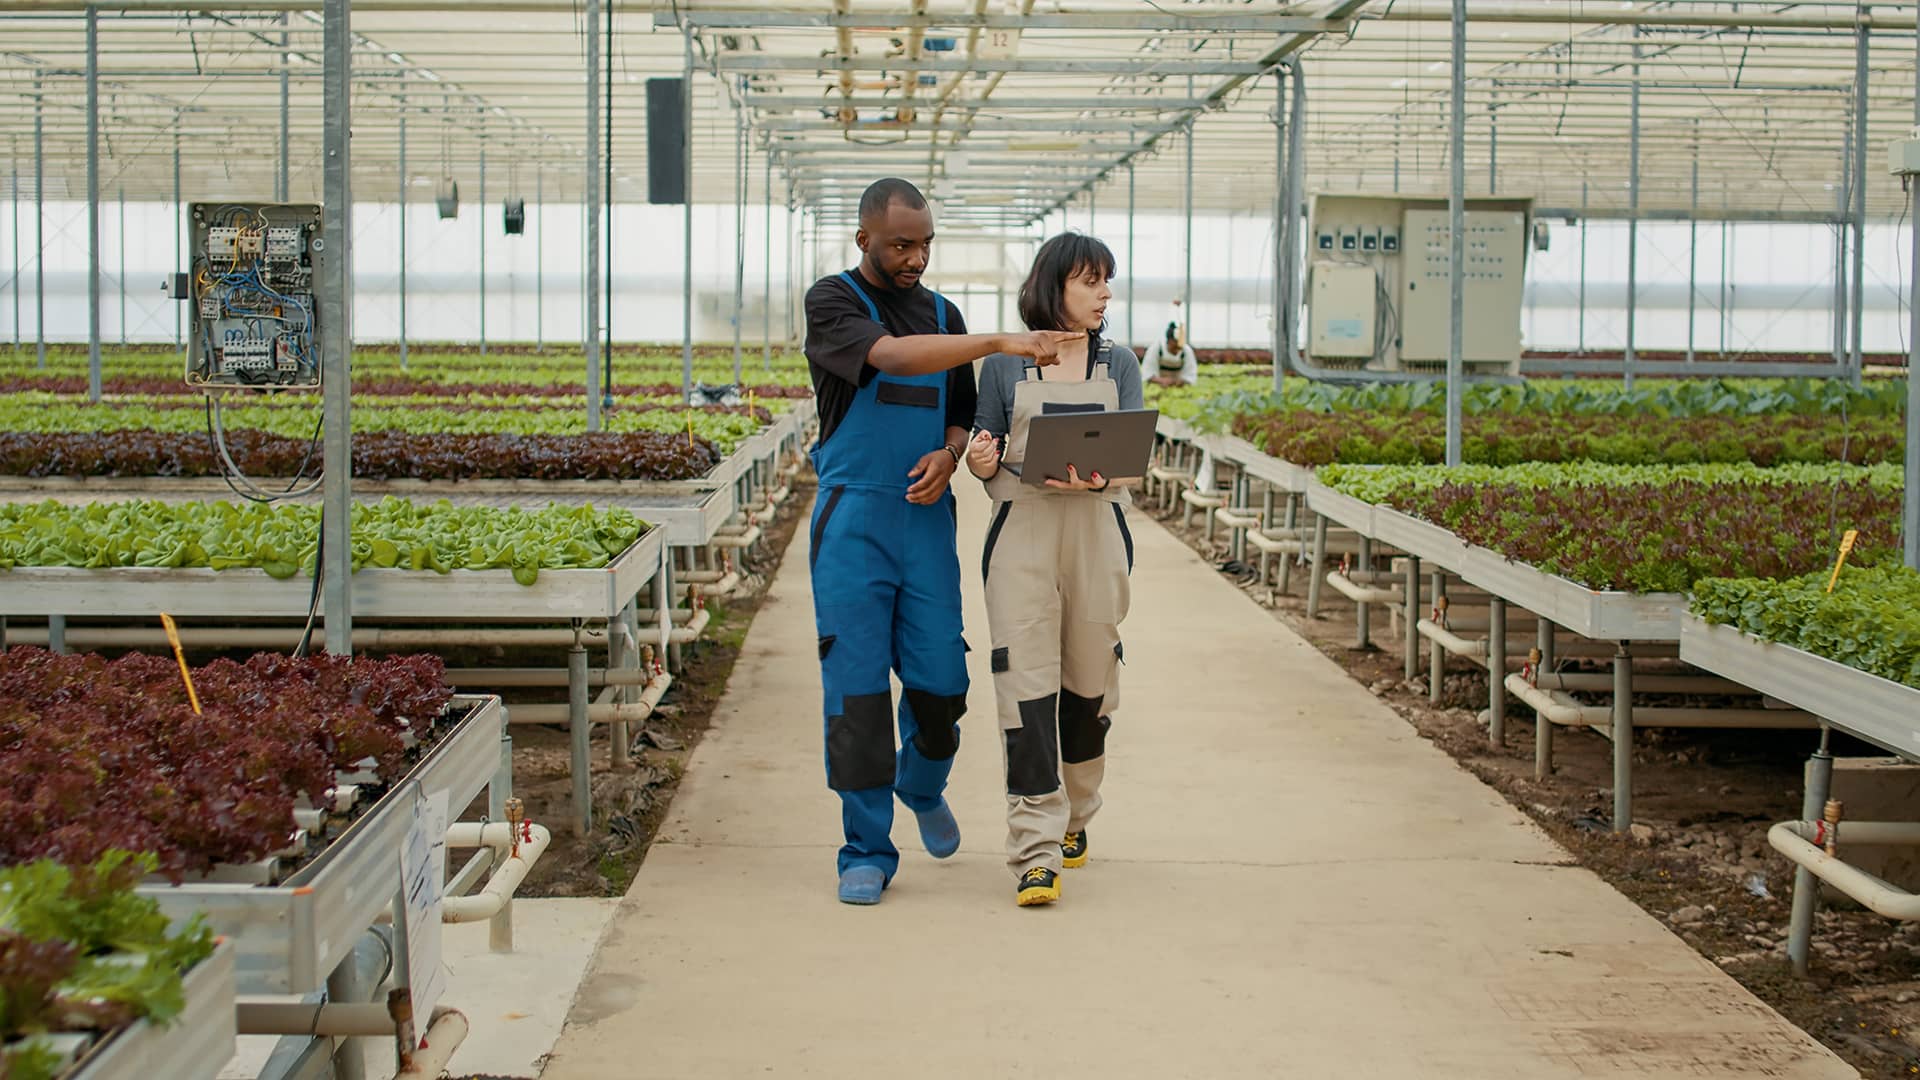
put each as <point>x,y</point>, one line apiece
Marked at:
<point>840,334</point>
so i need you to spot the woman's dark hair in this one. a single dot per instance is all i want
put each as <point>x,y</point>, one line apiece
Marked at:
<point>1043,294</point>
<point>1173,332</point>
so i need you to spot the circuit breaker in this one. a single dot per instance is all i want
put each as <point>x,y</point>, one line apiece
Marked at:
<point>255,313</point>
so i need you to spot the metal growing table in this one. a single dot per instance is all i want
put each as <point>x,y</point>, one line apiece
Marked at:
<point>192,1046</point>
<point>287,938</point>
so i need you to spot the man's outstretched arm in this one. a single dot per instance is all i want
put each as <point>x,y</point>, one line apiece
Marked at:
<point>924,354</point>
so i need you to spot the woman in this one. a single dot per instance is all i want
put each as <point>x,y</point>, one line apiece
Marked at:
<point>1171,361</point>
<point>1056,565</point>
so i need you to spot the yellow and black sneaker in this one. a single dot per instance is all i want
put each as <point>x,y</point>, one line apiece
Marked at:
<point>1073,850</point>
<point>1038,886</point>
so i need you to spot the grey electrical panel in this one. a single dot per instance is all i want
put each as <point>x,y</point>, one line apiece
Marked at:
<point>254,312</point>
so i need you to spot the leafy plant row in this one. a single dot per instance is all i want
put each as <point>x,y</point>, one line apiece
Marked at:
<point>98,754</point>
<point>384,387</point>
<point>1501,438</point>
<point>80,951</point>
<point>725,428</point>
<point>1569,397</point>
<point>1385,482</point>
<point>642,455</point>
<point>281,540</point>
<point>1658,536</point>
<point>1870,621</point>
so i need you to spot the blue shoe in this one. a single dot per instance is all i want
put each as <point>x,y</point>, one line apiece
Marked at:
<point>938,831</point>
<point>862,885</point>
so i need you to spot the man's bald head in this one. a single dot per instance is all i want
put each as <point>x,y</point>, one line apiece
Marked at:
<point>884,193</point>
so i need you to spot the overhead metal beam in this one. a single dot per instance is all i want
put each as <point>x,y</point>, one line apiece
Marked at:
<point>788,103</point>
<point>747,62</point>
<point>1159,23</point>
<point>1061,126</point>
<point>1574,214</point>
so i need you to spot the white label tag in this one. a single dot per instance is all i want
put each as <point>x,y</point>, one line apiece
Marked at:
<point>423,869</point>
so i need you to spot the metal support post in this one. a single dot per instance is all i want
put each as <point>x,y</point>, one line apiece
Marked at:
<point>1842,195</point>
<point>1496,672</point>
<point>13,189</point>
<point>1580,323</point>
<point>282,181</point>
<point>739,234</point>
<point>179,248</point>
<point>1633,212</point>
<point>1186,288</point>
<point>1410,614</point>
<point>1278,346</point>
<point>621,654</point>
<point>482,217</point>
<point>499,790</point>
<point>1132,342</point>
<point>686,218</point>
<point>592,344</point>
<point>1493,148</point>
<point>1910,508</point>
<point>120,246</point>
<point>93,203</point>
<point>336,316</point>
<point>1862,33</point>
<point>1543,727</point>
<point>1693,247</point>
<point>539,260</point>
<point>1290,522</point>
<point>57,634</point>
<point>766,287</point>
<point>1317,572</point>
<point>1806,887</point>
<point>1457,229</point>
<point>1436,654</point>
<point>39,227</point>
<point>1623,737</point>
<point>403,232</point>
<point>579,738</point>
<point>1363,611</point>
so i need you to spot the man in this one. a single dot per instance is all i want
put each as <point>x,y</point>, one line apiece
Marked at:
<point>893,383</point>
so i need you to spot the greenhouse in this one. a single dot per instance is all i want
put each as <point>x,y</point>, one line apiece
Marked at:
<point>520,463</point>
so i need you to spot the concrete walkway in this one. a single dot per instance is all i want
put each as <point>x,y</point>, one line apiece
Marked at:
<point>1286,881</point>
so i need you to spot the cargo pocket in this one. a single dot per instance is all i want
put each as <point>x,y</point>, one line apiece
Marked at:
<point>860,743</point>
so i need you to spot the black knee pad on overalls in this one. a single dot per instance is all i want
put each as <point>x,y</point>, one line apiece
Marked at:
<point>937,716</point>
<point>1033,749</point>
<point>860,743</point>
<point>1083,731</point>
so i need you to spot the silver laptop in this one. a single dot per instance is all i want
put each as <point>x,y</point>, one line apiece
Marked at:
<point>1117,444</point>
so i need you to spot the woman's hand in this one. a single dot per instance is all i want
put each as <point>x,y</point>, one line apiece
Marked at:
<point>1073,482</point>
<point>983,454</point>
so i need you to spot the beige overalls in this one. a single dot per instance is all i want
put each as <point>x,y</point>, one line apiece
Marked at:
<point>1056,566</point>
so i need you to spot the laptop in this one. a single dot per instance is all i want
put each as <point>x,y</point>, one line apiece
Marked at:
<point>1117,444</point>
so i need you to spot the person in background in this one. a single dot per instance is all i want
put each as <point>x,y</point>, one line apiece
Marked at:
<point>1170,361</point>
<point>1055,568</point>
<point>892,367</point>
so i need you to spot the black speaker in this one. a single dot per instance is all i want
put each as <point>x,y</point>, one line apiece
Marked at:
<point>515,214</point>
<point>666,141</point>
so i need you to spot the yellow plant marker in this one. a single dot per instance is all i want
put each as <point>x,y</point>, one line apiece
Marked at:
<point>750,413</point>
<point>173,637</point>
<point>1846,545</point>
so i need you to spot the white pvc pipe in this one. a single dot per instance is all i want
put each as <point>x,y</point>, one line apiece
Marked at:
<point>743,540</point>
<point>1560,709</point>
<point>1362,594</point>
<point>443,1036</point>
<point>509,869</point>
<point>1794,839</point>
<point>1451,641</point>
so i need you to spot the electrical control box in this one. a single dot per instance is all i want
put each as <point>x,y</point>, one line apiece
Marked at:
<point>1378,294</point>
<point>1345,311</point>
<point>1496,246</point>
<point>252,290</point>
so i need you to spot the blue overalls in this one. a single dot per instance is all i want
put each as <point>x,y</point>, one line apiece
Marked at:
<point>886,597</point>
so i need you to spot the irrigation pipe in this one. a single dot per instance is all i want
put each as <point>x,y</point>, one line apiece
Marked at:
<point>1803,842</point>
